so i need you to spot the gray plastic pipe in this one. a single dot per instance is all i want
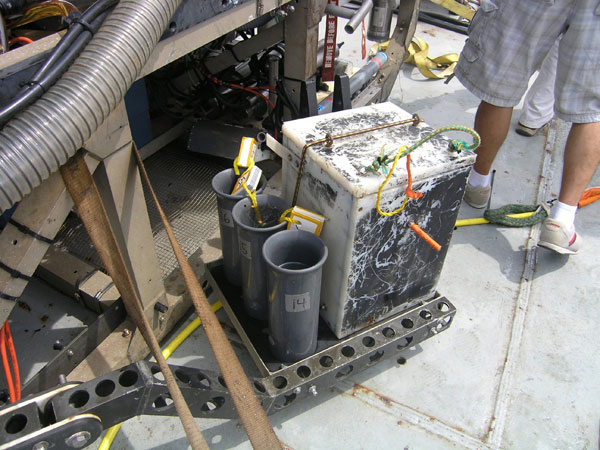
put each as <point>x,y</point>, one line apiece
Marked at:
<point>39,140</point>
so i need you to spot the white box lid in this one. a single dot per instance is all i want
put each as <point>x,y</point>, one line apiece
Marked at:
<point>348,157</point>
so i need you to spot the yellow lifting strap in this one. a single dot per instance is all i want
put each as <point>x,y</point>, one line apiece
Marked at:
<point>456,8</point>
<point>417,55</point>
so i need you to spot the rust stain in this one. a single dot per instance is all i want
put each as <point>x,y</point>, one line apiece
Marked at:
<point>359,388</point>
<point>370,322</point>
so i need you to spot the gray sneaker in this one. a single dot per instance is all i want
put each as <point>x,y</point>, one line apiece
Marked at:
<point>560,237</point>
<point>477,197</point>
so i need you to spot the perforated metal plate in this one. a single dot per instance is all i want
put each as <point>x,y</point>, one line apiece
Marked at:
<point>181,180</point>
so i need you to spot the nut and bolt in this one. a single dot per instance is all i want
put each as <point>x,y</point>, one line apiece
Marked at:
<point>78,440</point>
<point>42,445</point>
<point>70,353</point>
<point>125,332</point>
<point>297,390</point>
<point>313,390</point>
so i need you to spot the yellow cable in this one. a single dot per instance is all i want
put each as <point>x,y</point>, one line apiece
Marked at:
<point>110,435</point>
<point>401,152</point>
<point>482,221</point>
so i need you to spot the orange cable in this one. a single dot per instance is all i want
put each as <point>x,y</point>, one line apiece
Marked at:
<point>409,192</point>
<point>15,363</point>
<point>19,40</point>
<point>417,229</point>
<point>7,374</point>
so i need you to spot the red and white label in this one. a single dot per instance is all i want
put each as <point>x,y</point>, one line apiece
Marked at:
<point>329,49</point>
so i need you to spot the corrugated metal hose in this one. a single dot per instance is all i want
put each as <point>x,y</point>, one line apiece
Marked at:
<point>39,140</point>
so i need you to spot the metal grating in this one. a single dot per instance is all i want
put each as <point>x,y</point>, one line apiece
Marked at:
<point>181,180</point>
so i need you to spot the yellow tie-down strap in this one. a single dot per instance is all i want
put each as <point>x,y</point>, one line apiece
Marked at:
<point>456,8</point>
<point>417,55</point>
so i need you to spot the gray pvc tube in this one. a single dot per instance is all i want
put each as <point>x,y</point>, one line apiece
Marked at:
<point>251,238</point>
<point>222,184</point>
<point>294,261</point>
<point>39,140</point>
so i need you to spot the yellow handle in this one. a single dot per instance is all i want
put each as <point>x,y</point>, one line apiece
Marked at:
<point>482,221</point>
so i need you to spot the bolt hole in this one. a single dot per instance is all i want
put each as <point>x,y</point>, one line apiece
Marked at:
<point>404,342</point>
<point>287,400</point>
<point>375,357</point>
<point>368,341</point>
<point>16,424</point>
<point>79,399</point>
<point>213,404</point>
<point>348,351</point>
<point>182,376</point>
<point>162,402</point>
<point>345,371</point>
<point>222,381</point>
<point>425,314</point>
<point>105,388</point>
<point>15,242</point>
<point>443,306</point>
<point>172,27</point>
<point>157,373</point>
<point>280,382</point>
<point>203,381</point>
<point>446,320</point>
<point>326,361</point>
<point>401,361</point>
<point>259,387</point>
<point>303,371</point>
<point>388,332</point>
<point>407,323</point>
<point>128,378</point>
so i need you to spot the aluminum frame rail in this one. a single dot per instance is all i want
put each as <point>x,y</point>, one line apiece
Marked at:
<point>74,415</point>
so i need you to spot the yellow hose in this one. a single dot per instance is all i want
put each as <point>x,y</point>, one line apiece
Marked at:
<point>110,435</point>
<point>482,221</point>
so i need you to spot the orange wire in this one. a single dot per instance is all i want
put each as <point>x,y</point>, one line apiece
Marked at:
<point>409,192</point>
<point>14,361</point>
<point>7,374</point>
<point>20,40</point>
<point>243,88</point>
<point>417,229</point>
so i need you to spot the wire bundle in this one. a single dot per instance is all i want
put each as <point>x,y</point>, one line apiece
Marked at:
<point>7,344</point>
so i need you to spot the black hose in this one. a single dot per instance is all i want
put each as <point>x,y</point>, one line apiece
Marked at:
<point>77,28</point>
<point>61,58</point>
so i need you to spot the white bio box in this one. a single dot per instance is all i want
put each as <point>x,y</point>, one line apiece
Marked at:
<point>377,266</point>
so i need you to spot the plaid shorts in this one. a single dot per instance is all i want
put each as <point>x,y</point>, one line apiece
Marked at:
<point>509,39</point>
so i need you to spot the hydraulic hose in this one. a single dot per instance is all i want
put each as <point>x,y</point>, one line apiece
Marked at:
<point>47,75</point>
<point>39,140</point>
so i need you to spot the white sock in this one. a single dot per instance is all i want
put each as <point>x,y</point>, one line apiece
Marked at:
<point>563,213</point>
<point>476,179</point>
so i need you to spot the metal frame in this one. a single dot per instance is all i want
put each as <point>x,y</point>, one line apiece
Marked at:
<point>139,388</point>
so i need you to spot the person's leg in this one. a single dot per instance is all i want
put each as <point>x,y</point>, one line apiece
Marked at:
<point>582,156</point>
<point>492,123</point>
<point>538,106</point>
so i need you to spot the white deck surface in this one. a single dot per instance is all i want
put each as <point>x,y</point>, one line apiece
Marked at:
<point>518,369</point>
